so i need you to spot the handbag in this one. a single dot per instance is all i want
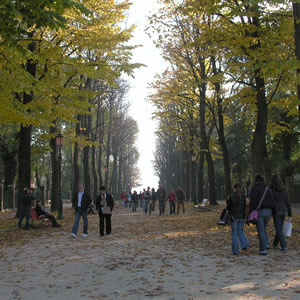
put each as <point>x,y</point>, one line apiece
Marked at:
<point>287,228</point>
<point>106,210</point>
<point>253,216</point>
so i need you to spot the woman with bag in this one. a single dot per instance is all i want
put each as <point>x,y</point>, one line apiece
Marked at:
<point>261,199</point>
<point>282,206</point>
<point>236,204</point>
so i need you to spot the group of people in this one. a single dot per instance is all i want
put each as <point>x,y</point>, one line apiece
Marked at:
<point>147,199</point>
<point>27,200</point>
<point>270,201</point>
<point>104,205</point>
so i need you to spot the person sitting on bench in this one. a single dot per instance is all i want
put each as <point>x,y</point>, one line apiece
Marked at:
<point>41,211</point>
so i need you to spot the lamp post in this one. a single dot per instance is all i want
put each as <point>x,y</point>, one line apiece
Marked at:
<point>59,139</point>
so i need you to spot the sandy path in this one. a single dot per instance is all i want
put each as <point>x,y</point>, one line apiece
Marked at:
<point>146,257</point>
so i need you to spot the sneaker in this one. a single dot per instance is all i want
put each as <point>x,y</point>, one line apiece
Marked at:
<point>284,249</point>
<point>74,235</point>
<point>263,252</point>
<point>274,247</point>
<point>84,235</point>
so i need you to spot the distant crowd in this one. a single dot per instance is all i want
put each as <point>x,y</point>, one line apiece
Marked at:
<point>150,198</point>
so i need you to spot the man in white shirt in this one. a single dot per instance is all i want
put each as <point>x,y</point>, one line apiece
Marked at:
<point>81,202</point>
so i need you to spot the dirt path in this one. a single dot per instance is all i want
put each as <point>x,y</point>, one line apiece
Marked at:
<point>146,257</point>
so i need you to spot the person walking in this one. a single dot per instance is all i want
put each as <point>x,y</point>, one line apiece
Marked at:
<point>283,207</point>
<point>27,199</point>
<point>104,205</point>
<point>180,197</point>
<point>153,198</point>
<point>172,201</point>
<point>134,199</point>
<point>261,191</point>
<point>236,205</point>
<point>148,201</point>
<point>81,202</point>
<point>161,197</point>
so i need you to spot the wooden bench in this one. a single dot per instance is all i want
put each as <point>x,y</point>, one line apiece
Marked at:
<point>40,219</point>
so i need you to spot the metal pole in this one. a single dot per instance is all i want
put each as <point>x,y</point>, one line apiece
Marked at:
<point>60,204</point>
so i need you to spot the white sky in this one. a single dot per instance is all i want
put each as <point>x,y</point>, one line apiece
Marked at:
<point>140,109</point>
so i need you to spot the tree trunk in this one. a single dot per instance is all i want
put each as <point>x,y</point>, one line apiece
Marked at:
<point>95,173</point>
<point>188,180</point>
<point>76,168</point>
<point>108,143</point>
<point>24,152</point>
<point>211,179</point>
<point>55,177</point>
<point>258,146</point>
<point>193,182</point>
<point>221,133</point>
<point>24,167</point>
<point>200,178</point>
<point>296,11</point>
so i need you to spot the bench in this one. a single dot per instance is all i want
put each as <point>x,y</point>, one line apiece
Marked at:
<point>203,205</point>
<point>40,219</point>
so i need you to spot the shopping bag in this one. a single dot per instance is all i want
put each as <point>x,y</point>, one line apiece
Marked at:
<point>287,228</point>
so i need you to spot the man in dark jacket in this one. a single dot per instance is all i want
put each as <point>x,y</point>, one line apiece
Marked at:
<point>180,197</point>
<point>26,208</point>
<point>41,211</point>
<point>81,202</point>
<point>161,196</point>
<point>104,205</point>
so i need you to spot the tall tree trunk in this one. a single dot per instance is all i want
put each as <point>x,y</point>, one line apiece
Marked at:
<point>86,154</point>
<point>193,181</point>
<point>258,146</point>
<point>54,167</point>
<point>24,159</point>
<point>221,133</point>
<point>200,178</point>
<point>296,11</point>
<point>24,152</point>
<point>76,168</point>
<point>204,143</point>
<point>108,143</point>
<point>211,179</point>
<point>188,178</point>
<point>95,173</point>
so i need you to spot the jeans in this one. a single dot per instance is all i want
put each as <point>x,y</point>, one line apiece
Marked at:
<point>264,215</point>
<point>172,208</point>
<point>148,204</point>
<point>278,219</point>
<point>133,206</point>
<point>78,214</point>
<point>237,227</point>
<point>26,212</point>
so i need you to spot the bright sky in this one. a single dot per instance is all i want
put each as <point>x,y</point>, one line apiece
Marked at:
<point>140,109</point>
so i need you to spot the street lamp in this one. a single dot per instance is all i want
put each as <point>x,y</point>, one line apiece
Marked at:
<point>59,139</point>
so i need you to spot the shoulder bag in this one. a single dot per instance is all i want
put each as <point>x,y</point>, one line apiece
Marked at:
<point>253,216</point>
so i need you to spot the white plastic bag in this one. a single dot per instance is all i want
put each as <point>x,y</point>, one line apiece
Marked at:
<point>287,228</point>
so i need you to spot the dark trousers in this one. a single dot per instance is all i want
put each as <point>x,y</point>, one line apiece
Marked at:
<point>172,208</point>
<point>107,226</point>
<point>26,212</point>
<point>52,218</point>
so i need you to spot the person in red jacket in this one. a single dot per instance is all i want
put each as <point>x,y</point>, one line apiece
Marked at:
<point>172,201</point>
